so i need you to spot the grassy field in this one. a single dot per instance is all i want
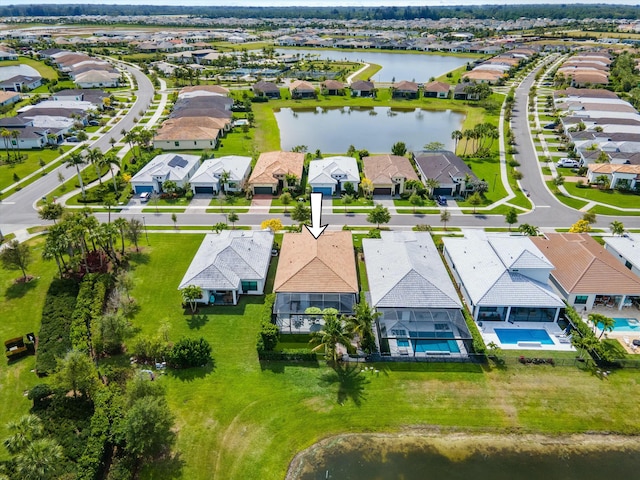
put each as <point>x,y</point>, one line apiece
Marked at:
<point>28,165</point>
<point>610,197</point>
<point>242,418</point>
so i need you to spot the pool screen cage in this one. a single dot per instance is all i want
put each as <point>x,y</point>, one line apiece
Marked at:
<point>406,325</point>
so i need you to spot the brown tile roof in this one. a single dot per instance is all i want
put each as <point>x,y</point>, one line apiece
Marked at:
<point>270,163</point>
<point>326,265</point>
<point>437,87</point>
<point>333,85</point>
<point>381,168</point>
<point>582,78</point>
<point>586,93</point>
<point>406,86</point>
<point>614,168</point>
<point>206,88</point>
<point>191,128</point>
<point>301,86</point>
<point>583,266</point>
<point>483,75</point>
<point>4,96</point>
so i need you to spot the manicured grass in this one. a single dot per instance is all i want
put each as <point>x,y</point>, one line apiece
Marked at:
<point>163,210</point>
<point>613,211</point>
<point>611,197</point>
<point>43,69</point>
<point>230,201</point>
<point>28,165</point>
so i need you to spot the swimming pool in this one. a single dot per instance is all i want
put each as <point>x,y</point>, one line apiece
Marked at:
<point>442,343</point>
<point>625,325</point>
<point>512,336</point>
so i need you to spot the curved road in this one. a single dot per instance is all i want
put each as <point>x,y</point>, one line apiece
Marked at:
<point>18,211</point>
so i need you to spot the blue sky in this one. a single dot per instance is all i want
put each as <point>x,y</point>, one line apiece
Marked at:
<point>313,3</point>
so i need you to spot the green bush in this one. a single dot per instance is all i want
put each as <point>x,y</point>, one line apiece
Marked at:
<point>189,352</point>
<point>478,343</point>
<point>269,333</point>
<point>53,338</point>
<point>89,306</point>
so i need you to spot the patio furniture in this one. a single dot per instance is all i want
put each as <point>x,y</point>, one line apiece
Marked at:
<point>636,342</point>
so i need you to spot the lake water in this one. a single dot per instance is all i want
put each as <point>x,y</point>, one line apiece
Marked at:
<point>369,458</point>
<point>13,70</point>
<point>376,129</point>
<point>401,66</point>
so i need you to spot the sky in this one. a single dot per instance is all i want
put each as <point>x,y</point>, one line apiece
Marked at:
<point>318,3</point>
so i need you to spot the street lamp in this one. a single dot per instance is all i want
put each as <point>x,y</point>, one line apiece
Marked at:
<point>145,230</point>
<point>495,179</point>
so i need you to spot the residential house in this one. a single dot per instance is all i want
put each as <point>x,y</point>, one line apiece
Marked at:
<point>97,79</point>
<point>586,274</point>
<point>449,170</point>
<point>266,89</point>
<point>626,248</point>
<point>302,89</point>
<point>271,170</point>
<point>362,88</point>
<point>504,282</point>
<point>7,54</point>
<point>168,166</point>
<point>189,133</point>
<point>618,175</point>
<point>9,98</point>
<point>483,76</point>
<point>405,89</point>
<point>20,83</point>
<point>436,90</point>
<point>462,92</point>
<point>420,311</point>
<point>314,275</point>
<point>388,173</point>
<point>232,169</point>
<point>330,175</point>
<point>332,87</point>
<point>229,264</point>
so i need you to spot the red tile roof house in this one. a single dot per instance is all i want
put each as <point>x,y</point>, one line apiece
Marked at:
<point>302,89</point>
<point>585,273</point>
<point>388,173</point>
<point>332,87</point>
<point>270,172</point>
<point>405,89</point>
<point>362,88</point>
<point>436,90</point>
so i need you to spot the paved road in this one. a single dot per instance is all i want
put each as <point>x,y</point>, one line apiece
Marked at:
<point>18,211</point>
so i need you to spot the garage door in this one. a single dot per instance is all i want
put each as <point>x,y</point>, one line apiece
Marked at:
<point>262,190</point>
<point>382,191</point>
<point>208,190</point>
<point>326,191</point>
<point>442,191</point>
<point>143,188</point>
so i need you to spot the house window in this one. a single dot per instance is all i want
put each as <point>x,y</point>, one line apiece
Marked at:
<point>195,142</point>
<point>628,264</point>
<point>249,286</point>
<point>177,144</point>
<point>581,299</point>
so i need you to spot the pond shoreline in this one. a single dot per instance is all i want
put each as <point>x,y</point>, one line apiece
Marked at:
<point>458,445</point>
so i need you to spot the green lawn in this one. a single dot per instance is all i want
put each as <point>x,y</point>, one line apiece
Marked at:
<point>568,201</point>
<point>610,197</point>
<point>243,418</point>
<point>27,166</point>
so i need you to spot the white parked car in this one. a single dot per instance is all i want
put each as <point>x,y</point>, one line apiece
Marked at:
<point>145,196</point>
<point>568,162</point>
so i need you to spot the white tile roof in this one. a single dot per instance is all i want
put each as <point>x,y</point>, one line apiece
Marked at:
<point>489,267</point>
<point>628,246</point>
<point>211,169</point>
<point>159,166</point>
<point>224,259</point>
<point>320,171</point>
<point>405,270</point>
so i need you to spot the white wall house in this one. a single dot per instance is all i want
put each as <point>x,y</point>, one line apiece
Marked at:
<point>207,178</point>
<point>168,166</point>
<point>330,175</point>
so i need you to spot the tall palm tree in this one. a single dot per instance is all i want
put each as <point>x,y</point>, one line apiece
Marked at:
<point>40,460</point>
<point>75,160</point>
<point>361,324</point>
<point>14,135</point>
<point>6,136</point>
<point>333,333</point>
<point>466,135</point>
<point>94,156</point>
<point>431,184</point>
<point>110,160</point>
<point>456,136</point>
<point>121,224</point>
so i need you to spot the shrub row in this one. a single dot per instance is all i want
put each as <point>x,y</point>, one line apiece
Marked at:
<point>288,356</point>
<point>89,305</point>
<point>479,346</point>
<point>53,338</point>
<point>596,347</point>
<point>269,333</point>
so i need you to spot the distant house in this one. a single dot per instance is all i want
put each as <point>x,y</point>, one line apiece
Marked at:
<point>302,89</point>
<point>362,88</point>
<point>9,98</point>
<point>617,174</point>
<point>270,172</point>
<point>190,133</point>
<point>405,89</point>
<point>502,278</point>
<point>420,311</point>
<point>461,92</point>
<point>168,166</point>
<point>266,89</point>
<point>330,175</point>
<point>332,87</point>
<point>314,274</point>
<point>451,172</point>
<point>229,264</point>
<point>586,274</point>
<point>20,83</point>
<point>388,173</point>
<point>7,53</point>
<point>626,248</point>
<point>436,90</point>
<point>97,79</point>
<point>207,178</point>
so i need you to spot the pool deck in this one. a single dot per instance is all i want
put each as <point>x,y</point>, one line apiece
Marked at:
<point>625,338</point>
<point>561,343</point>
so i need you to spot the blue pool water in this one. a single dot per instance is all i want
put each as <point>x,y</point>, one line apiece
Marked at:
<point>512,336</point>
<point>625,325</point>
<point>436,345</point>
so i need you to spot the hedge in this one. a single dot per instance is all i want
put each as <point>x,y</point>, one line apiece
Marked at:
<point>269,333</point>
<point>53,338</point>
<point>479,346</point>
<point>89,306</point>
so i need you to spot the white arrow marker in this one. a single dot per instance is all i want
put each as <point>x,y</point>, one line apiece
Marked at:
<point>316,228</point>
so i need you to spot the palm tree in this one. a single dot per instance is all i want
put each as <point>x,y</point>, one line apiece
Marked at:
<point>24,431</point>
<point>361,324</point>
<point>456,136</point>
<point>466,135</point>
<point>445,216</point>
<point>617,227</point>
<point>121,224</point>
<point>40,460</point>
<point>75,160</point>
<point>606,324</point>
<point>110,160</point>
<point>94,155</point>
<point>6,135</point>
<point>14,135</point>
<point>529,230</point>
<point>224,179</point>
<point>333,333</point>
<point>431,184</point>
